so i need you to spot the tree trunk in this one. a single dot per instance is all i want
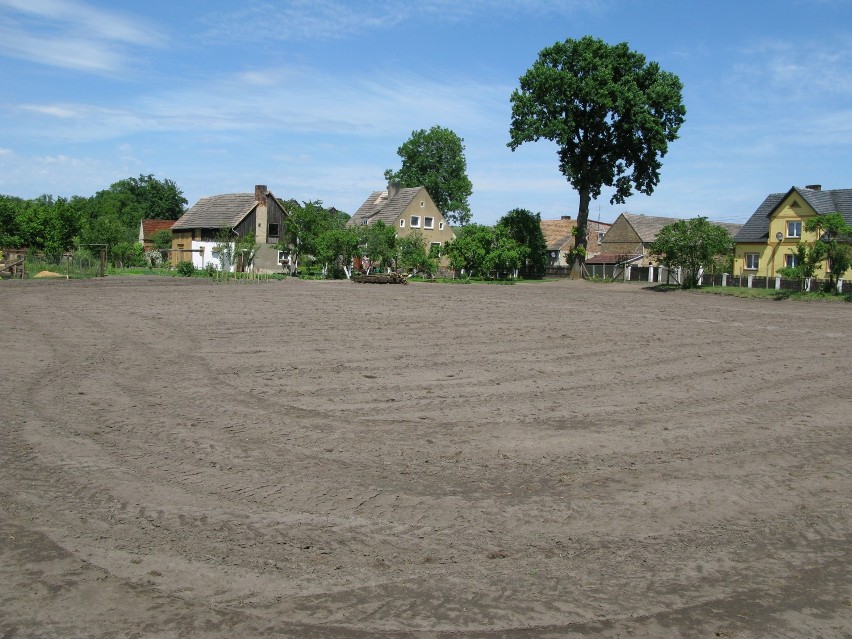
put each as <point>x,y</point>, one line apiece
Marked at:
<point>580,237</point>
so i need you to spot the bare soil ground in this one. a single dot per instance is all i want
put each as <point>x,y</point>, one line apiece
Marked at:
<point>328,459</point>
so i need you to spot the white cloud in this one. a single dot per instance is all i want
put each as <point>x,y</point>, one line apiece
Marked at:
<point>72,35</point>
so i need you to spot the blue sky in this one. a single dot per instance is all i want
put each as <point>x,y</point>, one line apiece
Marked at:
<point>314,98</point>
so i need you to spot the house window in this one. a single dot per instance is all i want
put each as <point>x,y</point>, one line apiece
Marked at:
<point>791,260</point>
<point>401,223</point>
<point>428,222</point>
<point>364,222</point>
<point>601,236</point>
<point>422,203</point>
<point>440,226</point>
<point>283,257</point>
<point>273,230</point>
<point>794,228</point>
<point>434,245</point>
<point>415,221</point>
<point>751,261</point>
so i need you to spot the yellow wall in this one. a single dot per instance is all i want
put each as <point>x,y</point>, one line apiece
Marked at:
<point>771,254</point>
<point>423,207</point>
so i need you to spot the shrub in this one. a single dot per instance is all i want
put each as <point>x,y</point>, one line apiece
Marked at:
<point>186,268</point>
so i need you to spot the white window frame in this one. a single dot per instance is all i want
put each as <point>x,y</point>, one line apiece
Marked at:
<point>752,257</point>
<point>415,222</point>
<point>429,223</point>
<point>440,226</point>
<point>794,228</point>
<point>402,223</point>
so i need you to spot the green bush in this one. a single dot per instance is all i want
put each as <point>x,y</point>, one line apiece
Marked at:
<point>186,268</point>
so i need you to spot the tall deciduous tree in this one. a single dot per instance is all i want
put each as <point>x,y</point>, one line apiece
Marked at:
<point>435,159</point>
<point>610,113</point>
<point>691,245</point>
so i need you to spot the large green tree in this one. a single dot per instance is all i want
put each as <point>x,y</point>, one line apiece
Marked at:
<point>610,113</point>
<point>435,159</point>
<point>691,245</point>
<point>524,227</point>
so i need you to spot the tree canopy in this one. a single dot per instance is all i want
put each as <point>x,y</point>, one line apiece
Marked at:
<point>480,250</point>
<point>435,159</point>
<point>609,112</point>
<point>524,227</point>
<point>692,245</point>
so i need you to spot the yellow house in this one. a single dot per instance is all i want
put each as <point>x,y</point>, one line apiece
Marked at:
<point>407,210</point>
<point>768,239</point>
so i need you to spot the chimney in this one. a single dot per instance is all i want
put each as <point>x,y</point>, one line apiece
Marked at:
<point>393,190</point>
<point>260,192</point>
<point>814,187</point>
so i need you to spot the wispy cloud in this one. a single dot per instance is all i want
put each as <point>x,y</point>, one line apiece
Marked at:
<point>802,70</point>
<point>296,101</point>
<point>72,34</point>
<point>302,20</point>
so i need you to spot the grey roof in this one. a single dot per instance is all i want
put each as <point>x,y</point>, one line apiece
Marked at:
<point>217,211</point>
<point>756,229</point>
<point>379,207</point>
<point>647,226</point>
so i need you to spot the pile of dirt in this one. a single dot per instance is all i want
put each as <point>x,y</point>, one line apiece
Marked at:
<point>48,274</point>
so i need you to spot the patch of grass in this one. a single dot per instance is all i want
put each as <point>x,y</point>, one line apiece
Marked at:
<point>772,294</point>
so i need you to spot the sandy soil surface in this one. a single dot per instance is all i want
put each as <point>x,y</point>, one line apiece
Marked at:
<point>328,459</point>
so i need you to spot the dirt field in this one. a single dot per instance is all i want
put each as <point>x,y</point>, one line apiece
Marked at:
<point>328,459</point>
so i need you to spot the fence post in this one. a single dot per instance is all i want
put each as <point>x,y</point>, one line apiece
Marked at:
<point>724,279</point>
<point>750,280</point>
<point>777,283</point>
<point>839,285</point>
<point>807,284</point>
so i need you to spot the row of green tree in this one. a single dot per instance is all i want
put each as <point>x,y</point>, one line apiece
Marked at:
<point>54,225</point>
<point>314,235</point>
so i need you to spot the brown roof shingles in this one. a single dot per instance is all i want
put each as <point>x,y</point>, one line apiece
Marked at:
<point>217,211</point>
<point>378,207</point>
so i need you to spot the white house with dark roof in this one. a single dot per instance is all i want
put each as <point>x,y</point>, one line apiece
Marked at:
<point>407,210</point>
<point>769,238</point>
<point>196,233</point>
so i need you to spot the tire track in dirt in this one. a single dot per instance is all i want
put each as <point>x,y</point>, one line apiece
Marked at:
<point>288,505</point>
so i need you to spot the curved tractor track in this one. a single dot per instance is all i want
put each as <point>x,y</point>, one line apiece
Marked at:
<point>321,459</point>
